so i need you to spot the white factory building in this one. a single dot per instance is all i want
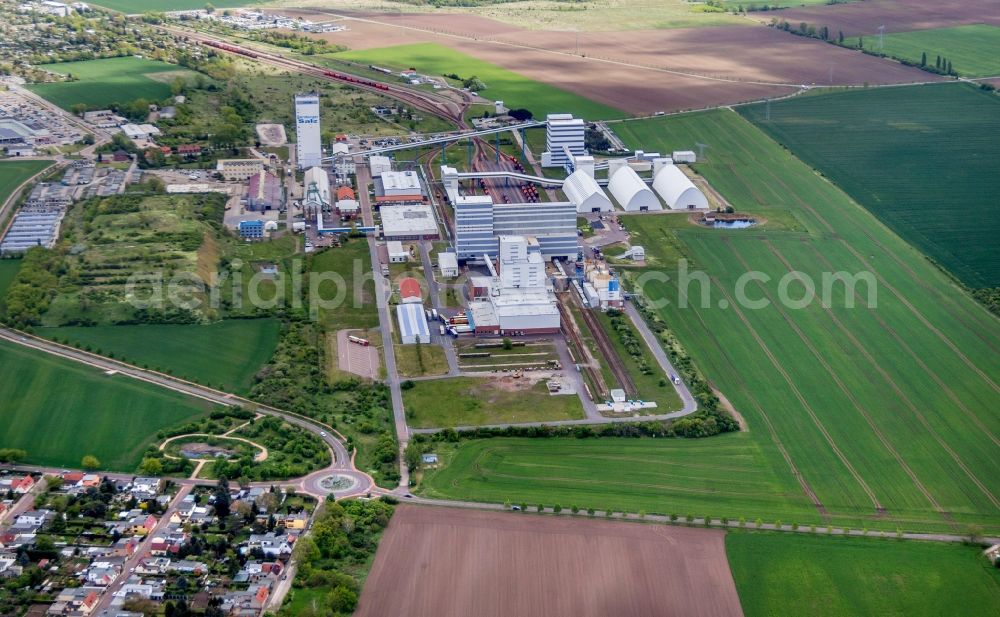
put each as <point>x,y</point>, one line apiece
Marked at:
<point>448,264</point>
<point>408,222</point>
<point>676,188</point>
<point>379,164</point>
<point>316,183</point>
<point>519,300</point>
<point>582,189</point>
<point>412,323</point>
<point>563,132</point>
<point>630,191</point>
<point>308,149</point>
<point>398,186</point>
<point>479,223</point>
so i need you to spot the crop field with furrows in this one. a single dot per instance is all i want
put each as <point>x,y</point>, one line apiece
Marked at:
<point>881,417</point>
<point>780,575</point>
<point>224,355</point>
<point>513,89</point>
<point>109,80</point>
<point>13,173</point>
<point>974,50</point>
<point>730,476</point>
<point>59,411</point>
<point>922,159</point>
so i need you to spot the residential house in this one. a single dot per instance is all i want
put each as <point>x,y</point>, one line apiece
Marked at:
<point>76,601</point>
<point>34,518</point>
<point>296,521</point>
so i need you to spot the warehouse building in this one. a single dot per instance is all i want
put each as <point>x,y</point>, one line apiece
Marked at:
<point>264,192</point>
<point>563,132</point>
<point>412,321</point>
<point>448,264</point>
<point>408,222</point>
<point>140,132</point>
<point>238,170</point>
<point>630,191</point>
<point>398,186</point>
<point>676,188</point>
<point>581,189</point>
<point>379,164</point>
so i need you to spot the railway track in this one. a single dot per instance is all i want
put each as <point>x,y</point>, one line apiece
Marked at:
<point>608,351</point>
<point>434,104</point>
<point>595,375</point>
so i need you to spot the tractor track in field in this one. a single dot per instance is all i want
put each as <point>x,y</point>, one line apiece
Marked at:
<point>833,233</point>
<point>895,387</point>
<point>785,454</point>
<point>845,390</point>
<point>916,358</point>
<point>802,400</point>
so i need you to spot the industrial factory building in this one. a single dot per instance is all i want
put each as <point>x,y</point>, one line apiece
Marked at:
<point>519,300</point>
<point>317,189</point>
<point>413,326</point>
<point>676,188</point>
<point>264,192</point>
<point>398,186</point>
<point>630,191</point>
<point>582,189</point>
<point>563,132</point>
<point>479,223</point>
<point>308,150</point>
<point>408,222</point>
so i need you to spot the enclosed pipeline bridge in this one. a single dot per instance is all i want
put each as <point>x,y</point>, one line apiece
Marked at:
<point>444,139</point>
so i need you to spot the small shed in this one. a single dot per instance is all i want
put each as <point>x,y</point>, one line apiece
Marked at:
<point>429,459</point>
<point>397,254</point>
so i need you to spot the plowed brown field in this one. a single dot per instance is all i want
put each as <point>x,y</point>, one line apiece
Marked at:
<point>638,71</point>
<point>864,18</point>
<point>446,562</point>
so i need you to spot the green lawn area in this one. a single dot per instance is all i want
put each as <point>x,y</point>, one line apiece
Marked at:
<point>974,50</point>
<point>515,90</point>
<point>420,360</point>
<point>938,141</point>
<point>142,6</point>
<point>343,277</point>
<point>109,80</point>
<point>884,415</point>
<point>8,270</point>
<point>59,411</point>
<point>732,475</point>
<point>790,574</point>
<point>467,401</point>
<point>13,173</point>
<point>225,354</point>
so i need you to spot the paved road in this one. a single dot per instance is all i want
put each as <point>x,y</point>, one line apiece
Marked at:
<point>690,405</point>
<point>434,290</point>
<point>382,293</point>
<point>343,463</point>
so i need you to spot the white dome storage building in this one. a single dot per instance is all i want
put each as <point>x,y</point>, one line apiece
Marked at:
<point>581,189</point>
<point>677,189</point>
<point>631,192</point>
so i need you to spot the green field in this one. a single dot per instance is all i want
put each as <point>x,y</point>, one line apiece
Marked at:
<point>974,50</point>
<point>886,415</point>
<point>110,80</point>
<point>13,173</point>
<point>467,401</point>
<point>8,270</point>
<point>349,272</point>
<point>59,411</point>
<point>731,475</point>
<point>224,355</point>
<point>922,159</point>
<point>790,575</point>
<point>515,90</point>
<point>132,7</point>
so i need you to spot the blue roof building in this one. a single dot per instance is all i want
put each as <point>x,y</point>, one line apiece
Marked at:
<point>251,230</point>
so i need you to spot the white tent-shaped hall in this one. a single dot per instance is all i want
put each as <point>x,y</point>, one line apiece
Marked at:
<point>631,192</point>
<point>581,189</point>
<point>677,189</point>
